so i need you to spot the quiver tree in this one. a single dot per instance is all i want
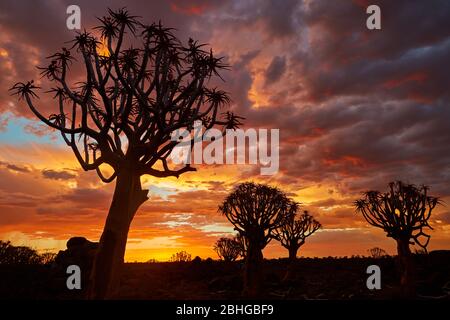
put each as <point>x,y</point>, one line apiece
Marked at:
<point>403,213</point>
<point>228,249</point>
<point>293,233</point>
<point>256,211</point>
<point>123,113</point>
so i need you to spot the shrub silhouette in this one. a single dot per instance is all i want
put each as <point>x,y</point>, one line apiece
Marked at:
<point>227,249</point>
<point>181,256</point>
<point>47,258</point>
<point>255,210</point>
<point>377,253</point>
<point>124,114</point>
<point>403,213</point>
<point>13,255</point>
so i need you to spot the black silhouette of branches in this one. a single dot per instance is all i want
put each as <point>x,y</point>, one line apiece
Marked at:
<point>228,249</point>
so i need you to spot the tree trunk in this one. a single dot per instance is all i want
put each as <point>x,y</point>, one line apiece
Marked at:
<point>253,276</point>
<point>127,198</point>
<point>291,263</point>
<point>292,254</point>
<point>406,268</point>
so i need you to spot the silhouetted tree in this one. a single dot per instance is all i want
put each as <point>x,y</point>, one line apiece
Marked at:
<point>124,112</point>
<point>377,253</point>
<point>293,233</point>
<point>47,258</point>
<point>403,213</point>
<point>17,255</point>
<point>255,210</point>
<point>227,249</point>
<point>181,256</point>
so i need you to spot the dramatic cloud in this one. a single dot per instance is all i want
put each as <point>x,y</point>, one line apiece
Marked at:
<point>57,175</point>
<point>275,70</point>
<point>355,108</point>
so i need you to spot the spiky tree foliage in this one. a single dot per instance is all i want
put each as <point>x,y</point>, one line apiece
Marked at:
<point>292,235</point>
<point>256,211</point>
<point>403,213</point>
<point>228,249</point>
<point>123,113</point>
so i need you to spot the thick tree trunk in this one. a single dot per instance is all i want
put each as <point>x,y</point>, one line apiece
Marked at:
<point>291,263</point>
<point>406,268</point>
<point>105,274</point>
<point>292,254</point>
<point>253,276</point>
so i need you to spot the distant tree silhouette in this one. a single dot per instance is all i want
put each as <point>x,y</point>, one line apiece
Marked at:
<point>228,249</point>
<point>403,213</point>
<point>255,210</point>
<point>292,234</point>
<point>181,256</point>
<point>47,258</point>
<point>377,253</point>
<point>17,255</point>
<point>123,114</point>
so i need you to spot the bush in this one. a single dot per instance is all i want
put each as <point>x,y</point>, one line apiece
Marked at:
<point>377,253</point>
<point>10,254</point>
<point>181,256</point>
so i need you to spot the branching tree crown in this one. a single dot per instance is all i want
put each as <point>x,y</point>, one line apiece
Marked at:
<point>227,249</point>
<point>256,211</point>
<point>131,98</point>
<point>294,232</point>
<point>402,212</point>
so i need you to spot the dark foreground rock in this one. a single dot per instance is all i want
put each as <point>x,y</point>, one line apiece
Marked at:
<point>314,278</point>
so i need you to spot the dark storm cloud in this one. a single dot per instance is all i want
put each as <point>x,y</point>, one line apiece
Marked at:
<point>14,167</point>
<point>86,198</point>
<point>57,174</point>
<point>386,141</point>
<point>404,58</point>
<point>275,70</point>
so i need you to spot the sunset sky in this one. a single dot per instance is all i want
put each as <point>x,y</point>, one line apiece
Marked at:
<point>356,109</point>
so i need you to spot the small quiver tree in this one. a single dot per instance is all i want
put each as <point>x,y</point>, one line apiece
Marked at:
<point>227,249</point>
<point>256,211</point>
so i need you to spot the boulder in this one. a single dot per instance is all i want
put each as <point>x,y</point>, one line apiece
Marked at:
<point>80,251</point>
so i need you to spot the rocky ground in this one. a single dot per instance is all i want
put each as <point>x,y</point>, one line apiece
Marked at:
<point>324,278</point>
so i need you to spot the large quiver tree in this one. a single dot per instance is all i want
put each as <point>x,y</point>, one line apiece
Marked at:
<point>139,85</point>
